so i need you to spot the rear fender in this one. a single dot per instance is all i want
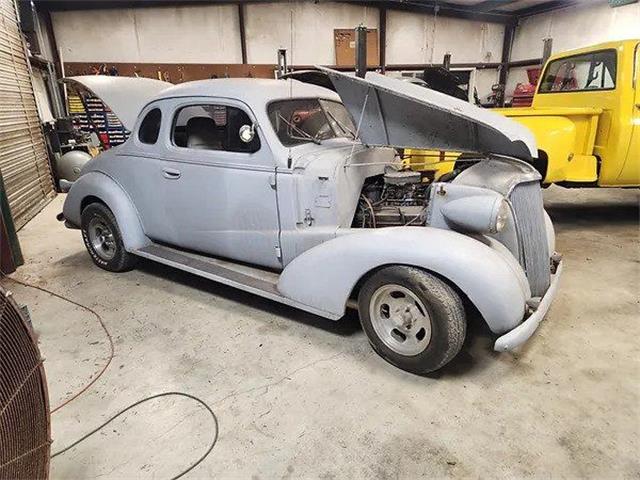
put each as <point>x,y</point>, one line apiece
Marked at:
<point>104,188</point>
<point>325,276</point>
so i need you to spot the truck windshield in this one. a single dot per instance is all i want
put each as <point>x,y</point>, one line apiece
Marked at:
<point>590,71</point>
<point>299,121</point>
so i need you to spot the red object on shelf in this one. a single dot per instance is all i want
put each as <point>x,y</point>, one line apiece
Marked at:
<point>104,139</point>
<point>523,93</point>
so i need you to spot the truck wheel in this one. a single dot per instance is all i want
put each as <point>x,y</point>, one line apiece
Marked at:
<point>413,319</point>
<point>102,238</point>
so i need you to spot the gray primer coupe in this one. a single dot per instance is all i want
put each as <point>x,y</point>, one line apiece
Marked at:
<point>294,192</point>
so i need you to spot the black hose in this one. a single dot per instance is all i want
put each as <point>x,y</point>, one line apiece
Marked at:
<point>165,394</point>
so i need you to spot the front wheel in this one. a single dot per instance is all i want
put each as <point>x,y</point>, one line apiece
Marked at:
<point>413,319</point>
<point>102,238</point>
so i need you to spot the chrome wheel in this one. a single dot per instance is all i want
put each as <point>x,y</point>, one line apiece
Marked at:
<point>400,319</point>
<point>101,239</point>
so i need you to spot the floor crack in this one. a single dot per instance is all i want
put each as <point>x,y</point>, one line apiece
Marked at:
<point>287,376</point>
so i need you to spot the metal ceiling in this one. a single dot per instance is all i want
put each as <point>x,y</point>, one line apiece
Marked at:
<point>500,11</point>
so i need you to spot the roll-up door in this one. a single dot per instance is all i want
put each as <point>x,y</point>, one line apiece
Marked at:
<point>24,163</point>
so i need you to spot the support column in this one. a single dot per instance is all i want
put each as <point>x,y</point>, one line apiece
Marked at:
<point>383,39</point>
<point>507,43</point>
<point>243,37</point>
<point>361,51</point>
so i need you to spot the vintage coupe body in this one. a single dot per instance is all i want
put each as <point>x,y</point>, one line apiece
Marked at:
<point>293,192</point>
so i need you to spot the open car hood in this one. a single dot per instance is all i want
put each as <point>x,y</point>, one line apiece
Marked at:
<point>125,96</point>
<point>399,114</point>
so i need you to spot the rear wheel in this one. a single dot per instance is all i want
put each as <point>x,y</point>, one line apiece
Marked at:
<point>413,319</point>
<point>102,238</point>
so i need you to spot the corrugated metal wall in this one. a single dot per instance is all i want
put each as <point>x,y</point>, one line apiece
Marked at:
<point>23,156</point>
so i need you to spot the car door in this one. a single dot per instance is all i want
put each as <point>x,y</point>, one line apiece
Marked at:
<point>137,167</point>
<point>217,192</point>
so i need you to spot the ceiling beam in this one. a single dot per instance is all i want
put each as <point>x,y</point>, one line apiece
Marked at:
<point>58,5</point>
<point>546,7</point>
<point>422,6</point>
<point>492,5</point>
<point>444,9</point>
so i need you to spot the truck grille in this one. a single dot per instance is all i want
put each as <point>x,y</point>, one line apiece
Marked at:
<point>526,199</point>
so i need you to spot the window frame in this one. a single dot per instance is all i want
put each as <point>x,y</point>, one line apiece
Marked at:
<point>195,102</point>
<point>582,90</point>
<point>139,129</point>
<point>636,66</point>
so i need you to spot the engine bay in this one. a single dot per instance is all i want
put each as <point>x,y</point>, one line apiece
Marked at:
<point>395,198</point>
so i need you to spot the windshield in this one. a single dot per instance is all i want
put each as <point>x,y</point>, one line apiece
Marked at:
<point>299,121</point>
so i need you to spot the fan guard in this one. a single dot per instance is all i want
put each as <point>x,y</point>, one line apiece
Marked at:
<point>25,421</point>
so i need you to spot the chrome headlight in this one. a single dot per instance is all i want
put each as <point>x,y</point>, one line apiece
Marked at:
<point>502,217</point>
<point>477,213</point>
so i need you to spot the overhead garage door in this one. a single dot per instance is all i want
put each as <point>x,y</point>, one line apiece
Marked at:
<point>23,156</point>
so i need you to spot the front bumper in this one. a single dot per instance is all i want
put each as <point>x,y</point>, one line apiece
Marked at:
<point>523,332</point>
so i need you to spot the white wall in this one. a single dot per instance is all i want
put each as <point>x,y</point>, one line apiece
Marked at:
<point>207,33</point>
<point>210,34</point>
<point>270,26</point>
<point>418,38</point>
<point>185,34</point>
<point>591,22</point>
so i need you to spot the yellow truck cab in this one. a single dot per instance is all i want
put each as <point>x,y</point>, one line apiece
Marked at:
<point>586,116</point>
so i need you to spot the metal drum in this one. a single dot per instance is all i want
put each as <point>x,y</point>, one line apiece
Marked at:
<point>70,164</point>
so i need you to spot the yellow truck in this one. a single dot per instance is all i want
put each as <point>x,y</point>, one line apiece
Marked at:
<point>585,117</point>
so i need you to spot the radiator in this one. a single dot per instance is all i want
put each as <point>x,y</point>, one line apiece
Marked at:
<point>526,199</point>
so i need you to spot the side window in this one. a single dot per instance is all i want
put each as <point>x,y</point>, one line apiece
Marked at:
<point>150,127</point>
<point>213,127</point>
<point>590,71</point>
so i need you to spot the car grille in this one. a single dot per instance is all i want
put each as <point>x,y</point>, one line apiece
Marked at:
<point>526,199</point>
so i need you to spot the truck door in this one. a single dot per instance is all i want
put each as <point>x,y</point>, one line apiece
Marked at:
<point>218,191</point>
<point>631,171</point>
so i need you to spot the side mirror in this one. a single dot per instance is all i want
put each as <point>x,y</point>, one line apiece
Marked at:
<point>247,133</point>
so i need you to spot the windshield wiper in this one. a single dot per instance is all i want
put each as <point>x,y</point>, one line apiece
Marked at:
<point>344,129</point>
<point>304,134</point>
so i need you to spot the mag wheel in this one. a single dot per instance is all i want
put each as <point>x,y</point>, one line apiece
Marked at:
<point>413,319</point>
<point>102,238</point>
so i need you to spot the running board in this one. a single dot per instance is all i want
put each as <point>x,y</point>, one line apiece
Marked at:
<point>243,277</point>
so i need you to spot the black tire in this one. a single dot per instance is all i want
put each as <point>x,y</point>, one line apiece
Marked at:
<point>444,314</point>
<point>116,259</point>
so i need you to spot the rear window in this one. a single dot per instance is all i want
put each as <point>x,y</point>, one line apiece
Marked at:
<point>578,73</point>
<point>150,127</point>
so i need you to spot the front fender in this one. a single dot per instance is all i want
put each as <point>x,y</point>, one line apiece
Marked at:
<point>324,276</point>
<point>108,191</point>
<point>567,139</point>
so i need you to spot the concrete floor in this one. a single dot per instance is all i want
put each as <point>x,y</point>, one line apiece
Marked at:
<point>299,396</point>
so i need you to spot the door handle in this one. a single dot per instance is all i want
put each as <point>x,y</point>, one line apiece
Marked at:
<point>171,174</point>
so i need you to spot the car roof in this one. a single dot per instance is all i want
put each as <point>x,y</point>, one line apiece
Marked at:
<point>615,44</point>
<point>252,91</point>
